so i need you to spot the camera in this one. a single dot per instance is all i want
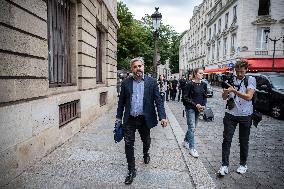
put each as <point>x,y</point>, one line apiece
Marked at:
<point>227,81</point>
<point>230,103</point>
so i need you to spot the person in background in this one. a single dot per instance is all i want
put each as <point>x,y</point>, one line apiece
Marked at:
<point>194,100</point>
<point>162,83</point>
<point>181,85</point>
<point>138,103</point>
<point>189,78</point>
<point>168,89</point>
<point>174,85</point>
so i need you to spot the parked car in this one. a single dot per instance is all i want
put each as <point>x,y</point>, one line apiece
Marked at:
<point>209,88</point>
<point>269,95</point>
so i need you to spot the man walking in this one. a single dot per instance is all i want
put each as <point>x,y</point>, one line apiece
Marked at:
<point>181,86</point>
<point>239,110</point>
<point>174,84</point>
<point>138,97</point>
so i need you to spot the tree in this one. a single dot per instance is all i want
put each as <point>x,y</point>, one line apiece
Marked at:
<point>132,38</point>
<point>135,38</point>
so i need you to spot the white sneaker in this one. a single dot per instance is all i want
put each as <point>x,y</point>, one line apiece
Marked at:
<point>194,153</point>
<point>223,170</point>
<point>186,145</point>
<point>242,169</point>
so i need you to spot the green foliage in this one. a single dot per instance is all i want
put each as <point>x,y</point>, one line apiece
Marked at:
<point>135,38</point>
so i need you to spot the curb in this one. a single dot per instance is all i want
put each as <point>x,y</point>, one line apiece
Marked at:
<point>201,178</point>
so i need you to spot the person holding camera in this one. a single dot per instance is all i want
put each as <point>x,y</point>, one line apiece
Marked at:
<point>194,100</point>
<point>239,112</point>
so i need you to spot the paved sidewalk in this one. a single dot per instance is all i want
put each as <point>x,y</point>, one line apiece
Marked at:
<point>91,159</point>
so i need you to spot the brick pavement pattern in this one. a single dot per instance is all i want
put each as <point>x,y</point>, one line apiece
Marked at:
<point>266,149</point>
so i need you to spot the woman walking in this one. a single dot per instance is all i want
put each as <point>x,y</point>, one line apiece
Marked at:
<point>194,100</point>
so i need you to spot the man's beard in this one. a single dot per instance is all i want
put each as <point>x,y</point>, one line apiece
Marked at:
<point>138,73</point>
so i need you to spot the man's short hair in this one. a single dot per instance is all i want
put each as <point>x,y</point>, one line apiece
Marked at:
<point>136,59</point>
<point>242,63</point>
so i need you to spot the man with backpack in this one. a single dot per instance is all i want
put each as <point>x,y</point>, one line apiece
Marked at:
<point>239,111</point>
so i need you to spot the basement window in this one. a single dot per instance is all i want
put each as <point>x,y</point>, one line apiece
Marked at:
<point>103,98</point>
<point>68,112</point>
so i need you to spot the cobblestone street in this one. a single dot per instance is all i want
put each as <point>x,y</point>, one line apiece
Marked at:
<point>266,149</point>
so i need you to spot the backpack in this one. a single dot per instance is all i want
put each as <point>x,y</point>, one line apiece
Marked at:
<point>256,116</point>
<point>246,85</point>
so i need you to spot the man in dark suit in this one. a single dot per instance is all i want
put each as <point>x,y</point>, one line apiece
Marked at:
<point>138,96</point>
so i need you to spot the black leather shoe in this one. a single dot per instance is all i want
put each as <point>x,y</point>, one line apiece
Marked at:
<point>146,158</point>
<point>129,178</point>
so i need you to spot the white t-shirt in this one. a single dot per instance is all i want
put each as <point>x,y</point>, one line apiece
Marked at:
<point>242,107</point>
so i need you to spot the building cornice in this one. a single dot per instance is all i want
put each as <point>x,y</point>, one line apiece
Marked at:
<point>233,27</point>
<point>264,20</point>
<point>225,32</point>
<point>194,59</point>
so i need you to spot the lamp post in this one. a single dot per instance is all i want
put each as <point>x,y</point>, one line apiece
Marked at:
<point>156,20</point>
<point>267,31</point>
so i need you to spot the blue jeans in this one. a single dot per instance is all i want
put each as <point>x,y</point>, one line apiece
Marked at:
<point>192,120</point>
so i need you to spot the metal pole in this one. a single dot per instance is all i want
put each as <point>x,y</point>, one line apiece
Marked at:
<point>273,54</point>
<point>155,55</point>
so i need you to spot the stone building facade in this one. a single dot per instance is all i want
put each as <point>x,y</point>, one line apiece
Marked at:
<point>164,69</point>
<point>193,44</point>
<point>57,74</point>
<point>234,29</point>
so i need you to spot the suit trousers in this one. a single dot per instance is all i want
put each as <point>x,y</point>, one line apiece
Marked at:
<point>230,124</point>
<point>129,129</point>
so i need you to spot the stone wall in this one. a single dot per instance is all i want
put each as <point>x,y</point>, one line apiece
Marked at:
<point>29,106</point>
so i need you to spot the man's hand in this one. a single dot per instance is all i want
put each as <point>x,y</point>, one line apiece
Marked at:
<point>231,89</point>
<point>164,122</point>
<point>227,91</point>
<point>199,107</point>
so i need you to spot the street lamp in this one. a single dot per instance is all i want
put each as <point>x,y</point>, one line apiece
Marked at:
<point>156,19</point>
<point>267,31</point>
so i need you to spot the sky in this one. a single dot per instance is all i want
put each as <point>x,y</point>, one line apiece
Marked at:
<point>175,13</point>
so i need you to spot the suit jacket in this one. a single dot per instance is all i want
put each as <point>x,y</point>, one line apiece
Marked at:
<point>151,97</point>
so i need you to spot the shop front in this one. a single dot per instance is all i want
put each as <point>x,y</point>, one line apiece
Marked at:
<point>266,65</point>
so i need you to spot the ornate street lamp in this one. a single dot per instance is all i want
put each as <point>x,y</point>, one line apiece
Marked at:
<point>267,31</point>
<point>156,19</point>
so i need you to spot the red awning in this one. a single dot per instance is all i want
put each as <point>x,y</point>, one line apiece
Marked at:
<point>265,64</point>
<point>216,70</point>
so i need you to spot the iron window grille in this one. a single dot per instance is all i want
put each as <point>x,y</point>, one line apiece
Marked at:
<point>68,112</point>
<point>58,21</point>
